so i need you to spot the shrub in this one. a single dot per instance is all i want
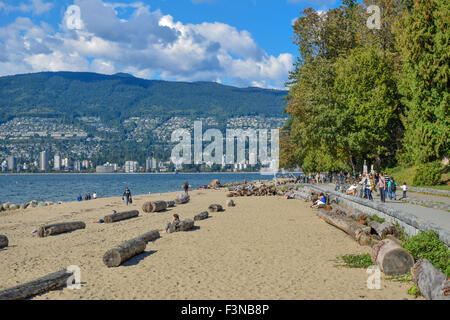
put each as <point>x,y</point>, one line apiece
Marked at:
<point>377,218</point>
<point>356,260</point>
<point>428,174</point>
<point>426,245</point>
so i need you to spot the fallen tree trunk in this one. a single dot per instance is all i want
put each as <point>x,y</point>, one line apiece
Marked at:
<point>110,218</point>
<point>383,229</point>
<point>32,288</point>
<point>391,258</point>
<point>201,216</point>
<point>116,256</point>
<point>181,225</point>
<point>182,198</point>
<point>149,236</point>
<point>352,212</point>
<point>215,208</point>
<point>170,204</point>
<point>433,284</point>
<point>3,241</point>
<point>57,228</point>
<point>154,206</point>
<point>356,230</point>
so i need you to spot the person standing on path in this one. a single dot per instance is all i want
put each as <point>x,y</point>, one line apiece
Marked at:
<point>404,188</point>
<point>392,189</point>
<point>127,196</point>
<point>380,186</point>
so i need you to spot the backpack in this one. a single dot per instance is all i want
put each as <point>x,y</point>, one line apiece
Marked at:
<point>393,187</point>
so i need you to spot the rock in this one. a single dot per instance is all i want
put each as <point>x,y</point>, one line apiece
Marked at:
<point>41,204</point>
<point>14,207</point>
<point>33,203</point>
<point>22,206</point>
<point>214,183</point>
<point>6,205</point>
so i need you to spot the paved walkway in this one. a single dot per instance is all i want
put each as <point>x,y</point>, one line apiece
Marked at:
<point>439,217</point>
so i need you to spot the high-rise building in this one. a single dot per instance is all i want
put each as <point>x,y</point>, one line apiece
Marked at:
<point>131,166</point>
<point>57,162</point>
<point>77,165</point>
<point>43,161</point>
<point>85,164</point>
<point>65,163</point>
<point>12,162</point>
<point>148,164</point>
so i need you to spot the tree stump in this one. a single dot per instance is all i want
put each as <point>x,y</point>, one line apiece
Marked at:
<point>32,288</point>
<point>110,218</point>
<point>154,206</point>
<point>432,282</point>
<point>182,198</point>
<point>57,228</point>
<point>116,256</point>
<point>181,225</point>
<point>215,208</point>
<point>201,216</point>
<point>391,257</point>
<point>3,241</point>
<point>353,228</point>
<point>383,229</point>
<point>170,204</point>
<point>149,236</point>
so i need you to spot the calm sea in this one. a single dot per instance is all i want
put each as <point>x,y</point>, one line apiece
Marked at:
<point>21,188</point>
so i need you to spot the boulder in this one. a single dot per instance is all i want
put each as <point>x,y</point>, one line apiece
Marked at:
<point>14,207</point>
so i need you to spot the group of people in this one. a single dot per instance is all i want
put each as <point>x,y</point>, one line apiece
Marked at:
<point>87,196</point>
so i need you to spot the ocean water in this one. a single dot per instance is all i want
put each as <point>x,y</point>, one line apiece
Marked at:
<point>22,188</point>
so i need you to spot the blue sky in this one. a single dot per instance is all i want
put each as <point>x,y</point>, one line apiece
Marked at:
<point>236,42</point>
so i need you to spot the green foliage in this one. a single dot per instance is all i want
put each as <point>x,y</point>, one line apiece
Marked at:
<point>377,218</point>
<point>355,260</point>
<point>414,291</point>
<point>428,174</point>
<point>426,245</point>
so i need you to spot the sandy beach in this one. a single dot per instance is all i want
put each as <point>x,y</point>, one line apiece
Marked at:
<point>263,248</point>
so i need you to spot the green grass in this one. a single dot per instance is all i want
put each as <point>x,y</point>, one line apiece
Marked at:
<point>355,260</point>
<point>407,174</point>
<point>377,218</point>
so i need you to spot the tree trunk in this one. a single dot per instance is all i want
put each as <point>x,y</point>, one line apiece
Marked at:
<point>116,256</point>
<point>181,225</point>
<point>3,241</point>
<point>391,257</point>
<point>432,282</point>
<point>58,228</point>
<point>383,229</point>
<point>356,230</point>
<point>201,216</point>
<point>182,198</point>
<point>149,236</point>
<point>32,288</point>
<point>154,206</point>
<point>215,208</point>
<point>170,204</point>
<point>110,218</point>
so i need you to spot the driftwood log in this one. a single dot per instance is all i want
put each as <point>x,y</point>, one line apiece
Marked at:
<point>182,198</point>
<point>116,256</point>
<point>356,230</point>
<point>391,258</point>
<point>110,218</point>
<point>170,204</point>
<point>57,228</point>
<point>383,229</point>
<point>215,208</point>
<point>149,236</point>
<point>49,282</point>
<point>181,225</point>
<point>154,206</point>
<point>3,241</point>
<point>201,216</point>
<point>433,284</point>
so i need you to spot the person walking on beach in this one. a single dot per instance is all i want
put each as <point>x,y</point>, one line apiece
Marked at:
<point>127,195</point>
<point>186,187</point>
<point>380,186</point>
<point>94,195</point>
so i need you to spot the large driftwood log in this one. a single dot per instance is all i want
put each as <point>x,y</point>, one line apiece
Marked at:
<point>170,204</point>
<point>182,198</point>
<point>149,236</point>
<point>154,206</point>
<point>351,212</point>
<point>433,284</point>
<point>356,230</point>
<point>215,208</point>
<point>181,225</point>
<point>49,282</point>
<point>116,256</point>
<point>201,216</point>
<point>3,241</point>
<point>391,258</point>
<point>383,229</point>
<point>110,218</point>
<point>57,228</point>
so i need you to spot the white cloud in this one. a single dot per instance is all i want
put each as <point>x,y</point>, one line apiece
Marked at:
<point>145,44</point>
<point>37,7</point>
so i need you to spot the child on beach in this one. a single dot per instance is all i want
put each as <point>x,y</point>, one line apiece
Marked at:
<point>175,218</point>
